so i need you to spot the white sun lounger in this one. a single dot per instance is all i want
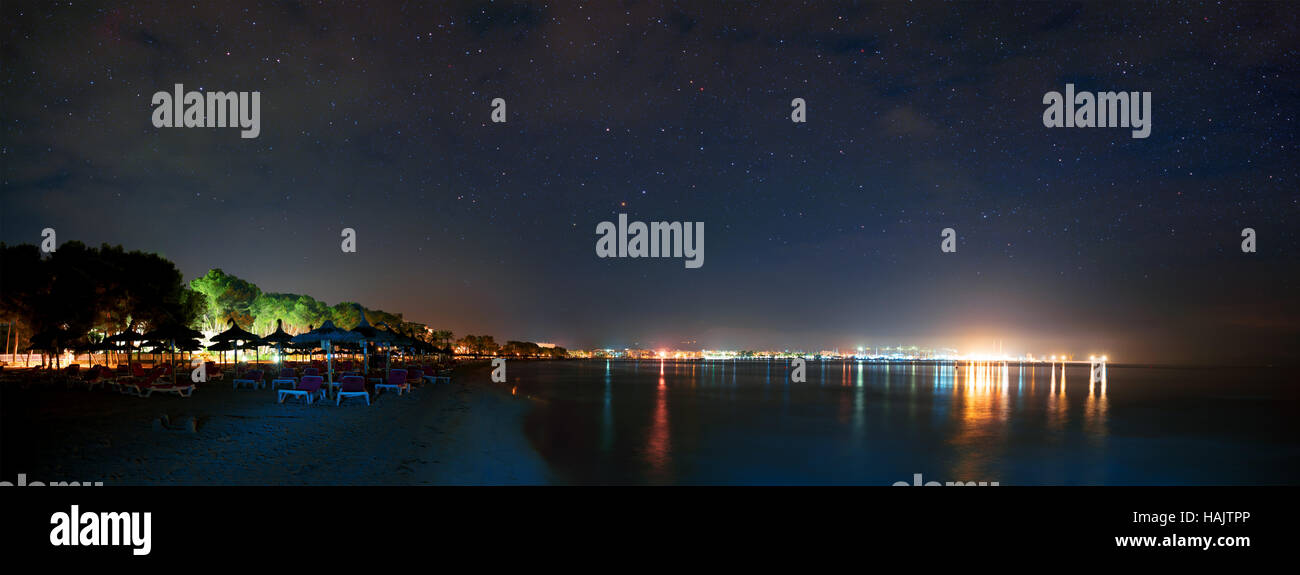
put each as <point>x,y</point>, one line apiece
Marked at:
<point>352,386</point>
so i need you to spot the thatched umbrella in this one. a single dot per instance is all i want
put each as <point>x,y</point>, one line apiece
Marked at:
<point>53,340</point>
<point>278,338</point>
<point>424,347</point>
<point>189,345</point>
<point>390,339</point>
<point>367,333</point>
<point>327,334</point>
<point>222,347</point>
<point>169,335</point>
<point>127,337</point>
<point>308,348</point>
<point>90,348</point>
<point>237,336</point>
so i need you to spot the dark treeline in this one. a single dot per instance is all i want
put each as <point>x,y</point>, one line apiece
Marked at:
<point>85,293</point>
<point>481,345</point>
<point>79,289</point>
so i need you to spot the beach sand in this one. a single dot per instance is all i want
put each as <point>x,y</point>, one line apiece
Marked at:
<point>461,433</point>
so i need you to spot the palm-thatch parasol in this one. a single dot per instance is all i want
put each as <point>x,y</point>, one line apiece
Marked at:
<point>169,335</point>
<point>221,346</point>
<point>237,336</point>
<point>327,334</point>
<point>127,337</point>
<point>89,348</point>
<point>53,340</point>
<point>278,338</point>
<point>390,339</point>
<point>308,348</point>
<point>367,333</point>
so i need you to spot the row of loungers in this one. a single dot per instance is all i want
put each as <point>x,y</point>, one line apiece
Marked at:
<point>136,380</point>
<point>312,386</point>
<point>139,382</point>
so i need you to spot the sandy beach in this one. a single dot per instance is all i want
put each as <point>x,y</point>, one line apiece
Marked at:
<point>466,432</point>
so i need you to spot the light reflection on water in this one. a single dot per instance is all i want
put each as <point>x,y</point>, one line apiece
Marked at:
<point>665,421</point>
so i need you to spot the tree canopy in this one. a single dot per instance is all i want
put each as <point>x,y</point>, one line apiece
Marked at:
<point>79,289</point>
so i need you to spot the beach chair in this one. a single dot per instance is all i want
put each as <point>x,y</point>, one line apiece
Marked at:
<point>433,375</point>
<point>414,376</point>
<point>114,378</point>
<point>213,371</point>
<point>97,375</point>
<point>70,375</point>
<point>137,385</point>
<point>253,378</point>
<point>396,380</point>
<point>352,386</point>
<point>183,388</point>
<point>308,388</point>
<point>287,375</point>
<point>311,371</point>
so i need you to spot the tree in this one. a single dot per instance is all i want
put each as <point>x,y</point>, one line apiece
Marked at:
<point>443,337</point>
<point>77,289</point>
<point>487,345</point>
<point>229,297</point>
<point>269,307</point>
<point>20,279</point>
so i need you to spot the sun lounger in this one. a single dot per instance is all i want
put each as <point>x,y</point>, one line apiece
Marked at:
<point>213,371</point>
<point>308,388</point>
<point>98,375</point>
<point>183,389</point>
<point>137,385</point>
<point>352,386</point>
<point>71,373</point>
<point>287,375</point>
<point>414,376</point>
<point>396,380</point>
<point>433,375</point>
<point>252,379</point>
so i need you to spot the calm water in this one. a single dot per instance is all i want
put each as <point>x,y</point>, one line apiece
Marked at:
<point>741,423</point>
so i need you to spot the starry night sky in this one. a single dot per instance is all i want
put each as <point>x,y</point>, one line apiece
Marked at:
<point>920,117</point>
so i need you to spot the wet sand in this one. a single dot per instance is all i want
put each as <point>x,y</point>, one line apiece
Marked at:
<point>447,434</point>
